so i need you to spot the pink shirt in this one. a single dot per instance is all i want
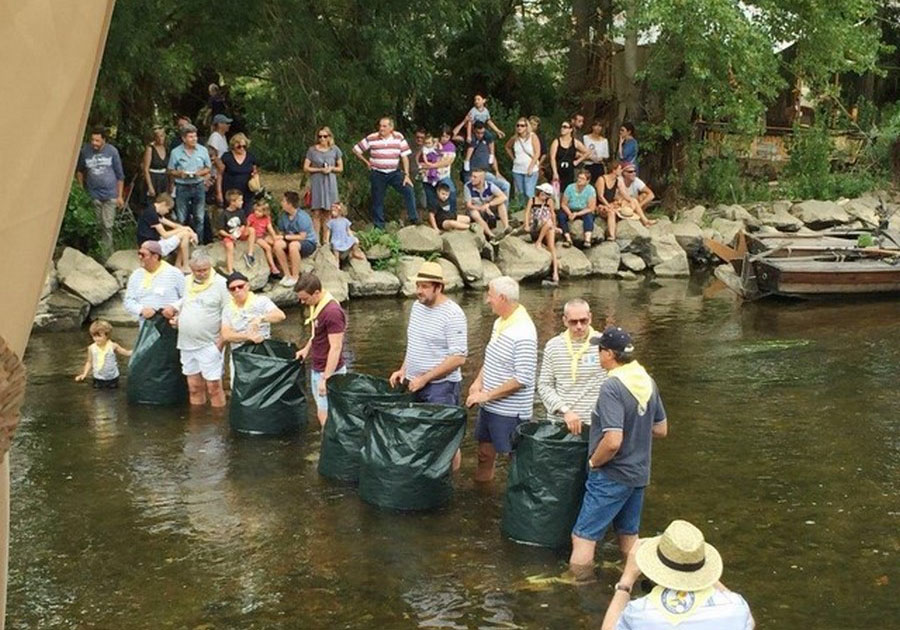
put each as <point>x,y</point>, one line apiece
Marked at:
<point>384,153</point>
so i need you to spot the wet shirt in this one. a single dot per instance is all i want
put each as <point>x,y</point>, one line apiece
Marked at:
<point>104,365</point>
<point>617,410</point>
<point>331,321</point>
<point>200,312</point>
<point>433,334</point>
<point>102,171</point>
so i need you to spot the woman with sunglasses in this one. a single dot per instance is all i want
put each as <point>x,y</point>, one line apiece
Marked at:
<point>566,152</point>
<point>323,161</point>
<point>524,149</point>
<point>236,167</point>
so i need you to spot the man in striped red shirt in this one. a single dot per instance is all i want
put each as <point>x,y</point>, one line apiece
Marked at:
<point>388,151</point>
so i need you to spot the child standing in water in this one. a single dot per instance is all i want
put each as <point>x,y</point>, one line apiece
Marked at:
<point>339,234</point>
<point>101,359</point>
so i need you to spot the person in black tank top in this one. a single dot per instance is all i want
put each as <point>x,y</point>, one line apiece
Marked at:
<point>565,154</point>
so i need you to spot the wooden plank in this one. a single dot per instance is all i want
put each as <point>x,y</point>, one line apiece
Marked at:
<point>724,252</point>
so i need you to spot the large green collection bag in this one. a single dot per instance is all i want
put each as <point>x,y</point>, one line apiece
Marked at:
<point>545,484</point>
<point>407,454</point>
<point>267,395</point>
<point>154,370</point>
<point>349,397</point>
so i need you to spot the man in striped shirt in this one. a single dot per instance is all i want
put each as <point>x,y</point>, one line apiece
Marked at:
<point>154,286</point>
<point>570,373</point>
<point>505,385</point>
<point>387,150</point>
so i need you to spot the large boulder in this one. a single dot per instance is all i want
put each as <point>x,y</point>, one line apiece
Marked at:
<point>257,275</point>
<point>604,258</point>
<point>123,260</point>
<point>628,230</point>
<point>522,261</point>
<point>728,230</point>
<point>693,215</point>
<point>326,268</point>
<point>662,227</point>
<point>113,311</point>
<point>573,263</point>
<point>453,281</point>
<point>378,251</point>
<point>667,257</point>
<point>85,277</point>
<point>365,281</point>
<point>732,213</point>
<point>781,220</point>
<point>463,249</point>
<point>282,296</point>
<point>689,237</point>
<point>491,271</point>
<point>819,215</point>
<point>406,270</point>
<point>419,239</point>
<point>61,311</point>
<point>864,209</point>
<point>633,262</point>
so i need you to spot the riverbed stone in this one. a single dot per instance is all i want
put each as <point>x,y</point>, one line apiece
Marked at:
<point>633,262</point>
<point>85,277</point>
<point>365,281</point>
<point>378,251</point>
<point>604,258</point>
<point>113,311</point>
<point>419,239</point>
<point>283,297</point>
<point>335,281</point>
<point>727,229</point>
<point>453,280</point>
<point>573,263</point>
<point>689,237</point>
<point>60,311</point>
<point>662,227</point>
<point>819,215</point>
<point>781,220</point>
<point>462,248</point>
<point>627,275</point>
<point>668,255</point>
<point>51,281</point>
<point>522,261</point>
<point>692,215</point>
<point>406,269</point>
<point>123,260</point>
<point>863,209</point>
<point>491,271</point>
<point>628,230</point>
<point>257,275</point>
<point>732,212</point>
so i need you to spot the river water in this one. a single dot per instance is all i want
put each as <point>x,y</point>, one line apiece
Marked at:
<point>783,447</point>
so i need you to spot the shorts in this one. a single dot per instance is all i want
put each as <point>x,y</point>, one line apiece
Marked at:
<point>607,501</point>
<point>100,383</point>
<point>207,361</point>
<point>245,234</point>
<point>440,217</point>
<point>442,393</point>
<point>489,218</point>
<point>314,379</point>
<point>169,244</point>
<point>307,248</point>
<point>496,429</point>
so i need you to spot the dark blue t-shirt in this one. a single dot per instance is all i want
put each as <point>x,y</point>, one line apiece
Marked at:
<point>146,225</point>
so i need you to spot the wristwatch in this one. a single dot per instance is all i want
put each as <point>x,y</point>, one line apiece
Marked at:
<point>623,587</point>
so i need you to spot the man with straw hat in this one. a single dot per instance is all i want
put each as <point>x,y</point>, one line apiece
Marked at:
<point>627,416</point>
<point>687,594</point>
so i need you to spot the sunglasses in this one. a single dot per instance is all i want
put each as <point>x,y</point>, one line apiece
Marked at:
<point>630,171</point>
<point>237,287</point>
<point>240,146</point>
<point>584,321</point>
<point>520,124</point>
<point>566,126</point>
<point>324,135</point>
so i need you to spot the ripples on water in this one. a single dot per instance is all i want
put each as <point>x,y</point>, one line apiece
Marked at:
<point>783,449</point>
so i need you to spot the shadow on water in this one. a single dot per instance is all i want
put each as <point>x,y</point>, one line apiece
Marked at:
<point>784,449</point>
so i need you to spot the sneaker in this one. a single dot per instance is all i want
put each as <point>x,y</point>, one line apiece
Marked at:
<point>276,275</point>
<point>287,281</point>
<point>248,260</point>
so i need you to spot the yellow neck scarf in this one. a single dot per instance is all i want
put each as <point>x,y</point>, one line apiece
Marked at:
<point>315,310</point>
<point>518,315</point>
<point>636,380</point>
<point>575,355</point>
<point>235,308</point>
<point>149,275</point>
<point>102,353</point>
<point>679,606</point>
<point>194,288</point>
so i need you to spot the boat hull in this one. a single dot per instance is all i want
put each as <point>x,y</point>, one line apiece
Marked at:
<point>817,278</point>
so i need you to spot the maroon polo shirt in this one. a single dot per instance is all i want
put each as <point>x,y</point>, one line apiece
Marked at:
<point>331,320</point>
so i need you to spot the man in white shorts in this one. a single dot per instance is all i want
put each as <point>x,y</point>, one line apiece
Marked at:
<point>199,322</point>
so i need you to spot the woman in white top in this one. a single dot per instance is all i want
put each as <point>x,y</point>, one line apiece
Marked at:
<point>598,151</point>
<point>524,149</point>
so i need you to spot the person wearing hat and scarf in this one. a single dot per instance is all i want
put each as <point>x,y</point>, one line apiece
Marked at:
<point>247,317</point>
<point>628,414</point>
<point>327,324</point>
<point>571,375</point>
<point>154,286</point>
<point>687,593</point>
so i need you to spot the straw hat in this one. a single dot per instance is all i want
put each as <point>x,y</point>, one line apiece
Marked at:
<point>680,559</point>
<point>625,211</point>
<point>430,272</point>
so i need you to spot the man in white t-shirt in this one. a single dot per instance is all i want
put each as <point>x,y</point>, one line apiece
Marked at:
<point>636,187</point>
<point>687,594</point>
<point>217,140</point>
<point>247,317</point>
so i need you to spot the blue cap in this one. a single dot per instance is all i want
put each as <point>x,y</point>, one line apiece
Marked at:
<point>614,338</point>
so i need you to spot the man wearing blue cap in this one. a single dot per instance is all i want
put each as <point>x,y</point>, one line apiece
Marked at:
<point>628,415</point>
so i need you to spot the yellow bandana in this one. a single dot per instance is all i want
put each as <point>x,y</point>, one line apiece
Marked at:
<point>315,310</point>
<point>194,288</point>
<point>679,606</point>
<point>636,380</point>
<point>236,310</point>
<point>576,355</point>
<point>102,354</point>
<point>518,315</point>
<point>149,275</point>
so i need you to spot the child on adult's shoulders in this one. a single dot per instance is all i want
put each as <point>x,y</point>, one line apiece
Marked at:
<point>153,225</point>
<point>479,113</point>
<point>101,360</point>
<point>445,218</point>
<point>230,226</point>
<point>261,232</point>
<point>339,234</point>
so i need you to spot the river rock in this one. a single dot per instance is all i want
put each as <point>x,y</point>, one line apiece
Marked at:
<point>453,281</point>
<point>113,311</point>
<point>522,261</point>
<point>728,229</point>
<point>781,220</point>
<point>633,262</point>
<point>365,281</point>
<point>419,239</point>
<point>864,209</point>
<point>665,248</point>
<point>732,213</point>
<point>630,229</point>
<point>123,260</point>
<point>576,231</point>
<point>406,270</point>
<point>257,275</point>
<point>604,257</point>
<point>662,227</point>
<point>61,311</point>
<point>573,263</point>
<point>51,282</point>
<point>282,296</point>
<point>781,205</point>
<point>693,215</point>
<point>378,251</point>
<point>335,281</point>
<point>85,277</point>
<point>819,215</point>
<point>627,275</point>
<point>675,267</point>
<point>491,271</point>
<point>462,248</point>
<point>689,237</point>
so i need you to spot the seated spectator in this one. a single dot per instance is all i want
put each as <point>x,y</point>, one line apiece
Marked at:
<point>540,219</point>
<point>153,225</point>
<point>230,226</point>
<point>579,200</point>
<point>687,593</point>
<point>443,216</point>
<point>632,188</point>
<point>261,232</point>
<point>297,239</point>
<point>481,155</point>
<point>480,197</point>
<point>340,236</point>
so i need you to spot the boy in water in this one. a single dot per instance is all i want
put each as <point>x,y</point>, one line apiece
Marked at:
<point>101,360</point>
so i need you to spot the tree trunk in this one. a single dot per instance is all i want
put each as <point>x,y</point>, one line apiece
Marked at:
<point>629,107</point>
<point>579,48</point>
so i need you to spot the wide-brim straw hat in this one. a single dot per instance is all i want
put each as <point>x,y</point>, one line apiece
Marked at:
<point>680,559</point>
<point>430,272</point>
<point>625,211</point>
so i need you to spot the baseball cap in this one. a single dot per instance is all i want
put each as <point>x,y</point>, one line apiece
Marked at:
<point>221,118</point>
<point>614,338</point>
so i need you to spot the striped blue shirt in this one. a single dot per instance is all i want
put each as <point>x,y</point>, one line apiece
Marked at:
<point>165,288</point>
<point>511,354</point>
<point>433,334</point>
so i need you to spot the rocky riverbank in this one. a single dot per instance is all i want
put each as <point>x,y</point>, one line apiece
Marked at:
<point>79,288</point>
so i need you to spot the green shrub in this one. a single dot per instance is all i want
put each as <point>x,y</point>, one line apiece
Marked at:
<point>80,228</point>
<point>376,236</point>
